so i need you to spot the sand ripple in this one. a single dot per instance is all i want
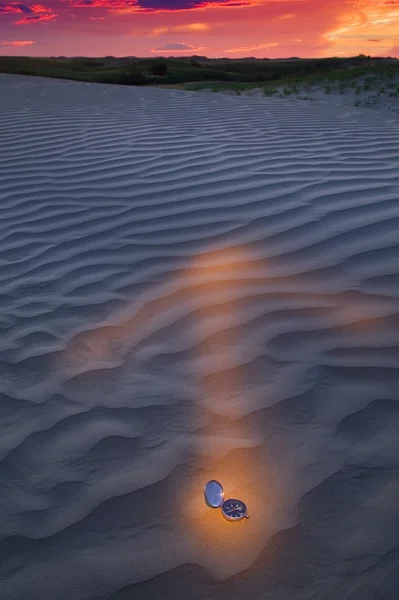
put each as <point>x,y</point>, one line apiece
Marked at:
<point>196,286</point>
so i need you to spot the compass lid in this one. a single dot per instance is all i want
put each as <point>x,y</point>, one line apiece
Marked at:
<point>214,494</point>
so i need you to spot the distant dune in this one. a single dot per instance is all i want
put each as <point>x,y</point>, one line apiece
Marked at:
<point>196,286</point>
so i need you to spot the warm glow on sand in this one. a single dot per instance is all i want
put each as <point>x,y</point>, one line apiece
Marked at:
<point>225,449</point>
<point>226,547</point>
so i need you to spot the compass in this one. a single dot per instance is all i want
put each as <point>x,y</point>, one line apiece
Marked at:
<point>232,509</point>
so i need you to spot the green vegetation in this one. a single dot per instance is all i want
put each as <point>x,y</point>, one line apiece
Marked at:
<point>288,76</point>
<point>159,68</point>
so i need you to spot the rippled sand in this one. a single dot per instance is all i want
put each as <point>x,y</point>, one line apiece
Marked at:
<point>196,286</point>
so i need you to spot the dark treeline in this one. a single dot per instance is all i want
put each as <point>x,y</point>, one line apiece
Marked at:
<point>172,71</point>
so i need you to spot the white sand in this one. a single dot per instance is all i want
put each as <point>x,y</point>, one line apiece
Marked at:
<point>196,286</point>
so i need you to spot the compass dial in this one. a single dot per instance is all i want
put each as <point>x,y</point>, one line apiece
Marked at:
<point>234,510</point>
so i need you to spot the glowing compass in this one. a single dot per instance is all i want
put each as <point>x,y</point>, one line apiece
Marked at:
<point>232,509</point>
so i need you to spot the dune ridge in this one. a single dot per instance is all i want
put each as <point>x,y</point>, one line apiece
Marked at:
<point>196,286</point>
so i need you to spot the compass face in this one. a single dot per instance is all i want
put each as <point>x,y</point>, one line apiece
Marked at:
<point>234,510</point>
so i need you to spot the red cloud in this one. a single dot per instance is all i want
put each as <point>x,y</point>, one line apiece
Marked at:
<point>36,19</point>
<point>13,7</point>
<point>17,7</point>
<point>33,13</point>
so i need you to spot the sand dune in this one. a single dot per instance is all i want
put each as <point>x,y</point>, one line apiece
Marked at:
<point>196,286</point>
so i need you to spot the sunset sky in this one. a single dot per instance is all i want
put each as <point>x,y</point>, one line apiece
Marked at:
<point>215,28</point>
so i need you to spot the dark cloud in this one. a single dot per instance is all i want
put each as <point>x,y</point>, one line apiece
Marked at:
<point>31,17</point>
<point>186,4</point>
<point>158,5</point>
<point>174,48</point>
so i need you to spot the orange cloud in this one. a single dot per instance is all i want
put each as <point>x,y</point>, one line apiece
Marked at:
<point>17,43</point>
<point>244,49</point>
<point>361,25</point>
<point>186,28</point>
<point>160,30</point>
<point>192,27</point>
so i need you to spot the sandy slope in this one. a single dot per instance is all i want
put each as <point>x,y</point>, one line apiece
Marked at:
<point>380,92</point>
<point>196,286</point>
